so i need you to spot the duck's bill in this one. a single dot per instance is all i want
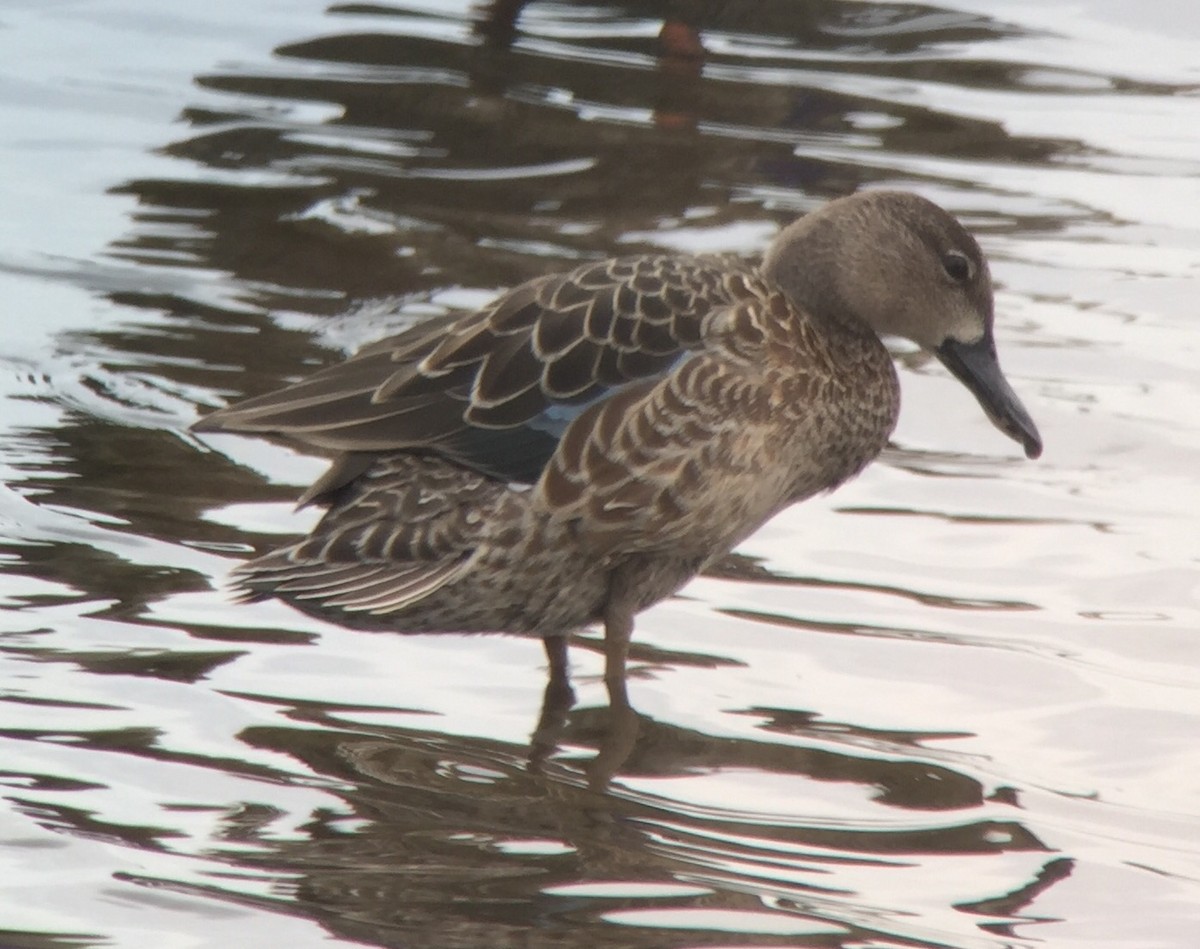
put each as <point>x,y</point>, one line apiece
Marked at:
<point>975,365</point>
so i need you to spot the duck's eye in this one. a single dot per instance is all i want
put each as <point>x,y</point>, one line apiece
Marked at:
<point>958,266</point>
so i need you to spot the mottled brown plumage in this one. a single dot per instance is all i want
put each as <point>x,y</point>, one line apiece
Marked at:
<point>584,445</point>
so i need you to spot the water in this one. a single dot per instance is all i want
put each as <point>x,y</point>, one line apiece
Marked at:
<point>954,704</point>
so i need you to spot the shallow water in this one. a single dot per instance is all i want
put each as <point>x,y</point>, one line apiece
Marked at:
<point>956,703</point>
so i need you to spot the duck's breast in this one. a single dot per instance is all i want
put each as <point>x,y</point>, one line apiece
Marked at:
<point>696,461</point>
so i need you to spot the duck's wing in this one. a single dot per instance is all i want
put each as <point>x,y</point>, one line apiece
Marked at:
<point>495,390</point>
<point>404,530</point>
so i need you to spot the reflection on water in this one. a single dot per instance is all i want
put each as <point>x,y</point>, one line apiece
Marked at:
<point>945,707</point>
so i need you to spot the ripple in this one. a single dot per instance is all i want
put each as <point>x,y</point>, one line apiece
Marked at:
<point>945,707</point>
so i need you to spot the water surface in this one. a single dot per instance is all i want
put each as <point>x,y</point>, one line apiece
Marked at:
<point>954,704</point>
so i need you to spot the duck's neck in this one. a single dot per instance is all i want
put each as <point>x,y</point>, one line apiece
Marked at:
<point>802,262</point>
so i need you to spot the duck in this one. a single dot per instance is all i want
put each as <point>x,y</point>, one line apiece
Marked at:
<point>583,446</point>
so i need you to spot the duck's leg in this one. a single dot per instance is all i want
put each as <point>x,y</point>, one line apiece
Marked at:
<point>556,702</point>
<point>559,695</point>
<point>618,629</point>
<point>621,735</point>
<point>556,655</point>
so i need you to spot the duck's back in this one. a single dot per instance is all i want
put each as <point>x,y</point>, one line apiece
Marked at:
<point>495,390</point>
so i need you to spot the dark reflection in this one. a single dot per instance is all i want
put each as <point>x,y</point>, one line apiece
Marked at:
<point>79,821</point>
<point>746,569</point>
<point>174,666</point>
<point>1010,904</point>
<point>454,842</point>
<point>14,939</point>
<point>662,749</point>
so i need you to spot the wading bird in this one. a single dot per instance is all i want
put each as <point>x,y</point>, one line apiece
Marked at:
<point>583,446</point>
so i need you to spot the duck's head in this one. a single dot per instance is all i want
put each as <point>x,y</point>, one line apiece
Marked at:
<point>901,265</point>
